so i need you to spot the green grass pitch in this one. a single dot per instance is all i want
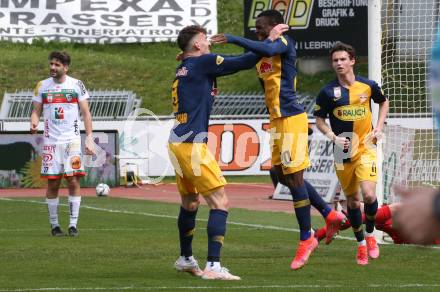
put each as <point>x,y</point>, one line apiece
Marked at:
<point>131,245</point>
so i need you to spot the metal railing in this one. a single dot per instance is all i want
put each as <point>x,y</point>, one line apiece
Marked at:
<point>104,104</point>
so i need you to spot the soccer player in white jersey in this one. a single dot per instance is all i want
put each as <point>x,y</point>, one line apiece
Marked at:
<point>58,98</point>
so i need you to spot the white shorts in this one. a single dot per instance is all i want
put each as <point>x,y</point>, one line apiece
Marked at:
<point>61,160</point>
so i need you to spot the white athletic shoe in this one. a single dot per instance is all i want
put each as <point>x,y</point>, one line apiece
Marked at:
<point>223,274</point>
<point>189,265</point>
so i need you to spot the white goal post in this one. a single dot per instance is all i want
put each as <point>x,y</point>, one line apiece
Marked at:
<point>400,38</point>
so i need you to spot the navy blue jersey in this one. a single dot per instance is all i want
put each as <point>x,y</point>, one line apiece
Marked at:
<point>194,90</point>
<point>277,71</point>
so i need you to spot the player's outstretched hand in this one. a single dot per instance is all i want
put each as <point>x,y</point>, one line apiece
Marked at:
<point>416,219</point>
<point>277,31</point>
<point>219,39</point>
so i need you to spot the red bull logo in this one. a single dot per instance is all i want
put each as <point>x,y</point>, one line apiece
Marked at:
<point>296,13</point>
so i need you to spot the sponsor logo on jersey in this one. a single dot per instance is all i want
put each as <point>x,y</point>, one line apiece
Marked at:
<point>219,60</point>
<point>337,92</point>
<point>46,128</point>
<point>49,97</point>
<point>350,112</point>
<point>59,113</point>
<point>76,127</point>
<point>82,88</point>
<point>182,72</point>
<point>49,148</point>
<point>47,157</point>
<point>265,66</point>
<point>59,122</point>
<point>75,162</point>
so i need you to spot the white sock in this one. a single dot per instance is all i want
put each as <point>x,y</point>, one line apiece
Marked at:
<point>367,234</point>
<point>52,206</point>
<point>363,242</point>
<point>74,203</point>
<point>213,266</point>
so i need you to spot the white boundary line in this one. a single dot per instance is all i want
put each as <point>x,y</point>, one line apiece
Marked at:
<point>411,285</point>
<point>257,226</point>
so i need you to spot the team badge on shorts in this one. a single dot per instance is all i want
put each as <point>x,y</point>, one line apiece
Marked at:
<point>75,162</point>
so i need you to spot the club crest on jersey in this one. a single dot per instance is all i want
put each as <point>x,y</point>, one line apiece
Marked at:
<point>59,113</point>
<point>219,60</point>
<point>69,97</point>
<point>337,92</point>
<point>266,66</point>
<point>49,97</point>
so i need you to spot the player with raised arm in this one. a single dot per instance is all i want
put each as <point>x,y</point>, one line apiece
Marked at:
<point>289,127</point>
<point>197,172</point>
<point>347,101</point>
<point>58,98</point>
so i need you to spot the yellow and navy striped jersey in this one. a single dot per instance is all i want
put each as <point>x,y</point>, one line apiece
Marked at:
<point>277,71</point>
<point>194,89</point>
<point>349,110</point>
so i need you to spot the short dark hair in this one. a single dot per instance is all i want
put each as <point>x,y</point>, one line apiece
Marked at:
<point>274,16</point>
<point>63,57</point>
<point>340,46</point>
<point>187,34</point>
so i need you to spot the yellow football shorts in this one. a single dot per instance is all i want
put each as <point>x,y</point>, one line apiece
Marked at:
<point>196,169</point>
<point>351,174</point>
<point>289,143</point>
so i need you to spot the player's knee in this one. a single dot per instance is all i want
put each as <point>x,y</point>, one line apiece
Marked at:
<point>222,203</point>
<point>192,206</point>
<point>217,199</point>
<point>190,203</point>
<point>294,180</point>
<point>225,203</point>
<point>72,182</point>
<point>369,197</point>
<point>354,204</point>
